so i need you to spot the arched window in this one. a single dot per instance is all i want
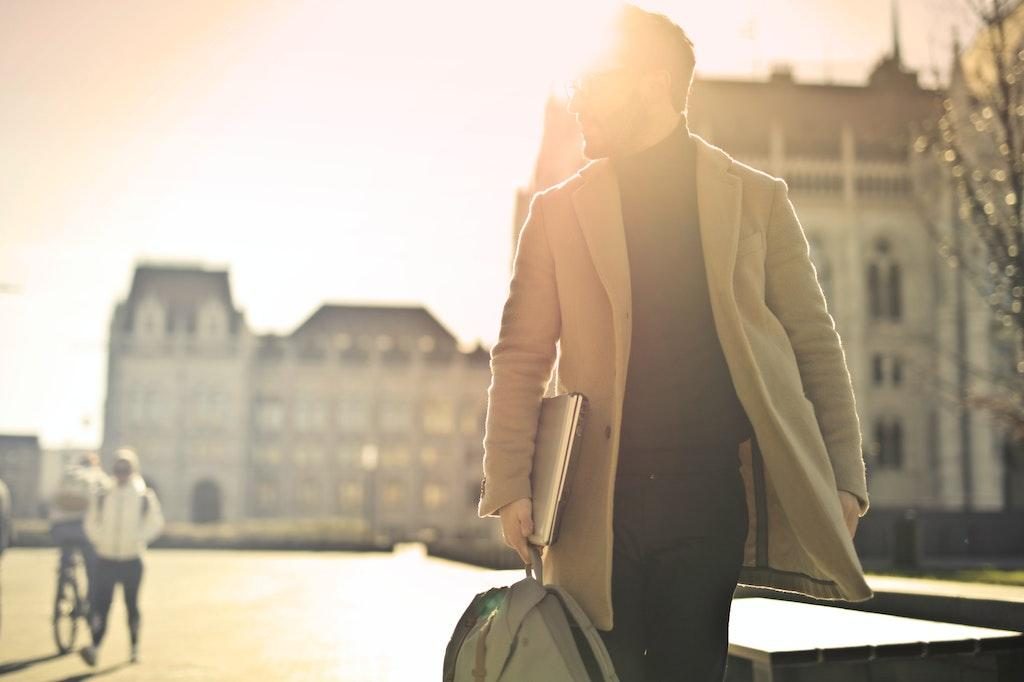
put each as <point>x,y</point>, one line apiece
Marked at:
<point>889,442</point>
<point>885,283</point>
<point>149,319</point>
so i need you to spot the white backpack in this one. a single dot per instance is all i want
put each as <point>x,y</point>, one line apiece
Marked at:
<point>524,632</point>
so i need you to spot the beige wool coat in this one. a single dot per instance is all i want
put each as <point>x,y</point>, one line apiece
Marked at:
<point>568,309</point>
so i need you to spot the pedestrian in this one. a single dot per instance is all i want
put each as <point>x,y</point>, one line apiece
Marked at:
<point>80,482</point>
<point>121,522</point>
<point>730,451</point>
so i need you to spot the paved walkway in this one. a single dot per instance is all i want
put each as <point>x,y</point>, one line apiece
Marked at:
<point>220,615</point>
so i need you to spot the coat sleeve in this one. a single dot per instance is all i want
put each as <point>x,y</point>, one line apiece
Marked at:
<point>521,364</point>
<point>795,297</point>
<point>91,522</point>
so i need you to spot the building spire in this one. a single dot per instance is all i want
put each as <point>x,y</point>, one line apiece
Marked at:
<point>896,34</point>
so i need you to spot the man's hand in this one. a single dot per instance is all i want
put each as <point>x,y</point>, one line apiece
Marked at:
<point>851,511</point>
<point>516,525</point>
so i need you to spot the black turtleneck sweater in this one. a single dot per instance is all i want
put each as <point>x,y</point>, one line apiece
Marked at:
<point>681,414</point>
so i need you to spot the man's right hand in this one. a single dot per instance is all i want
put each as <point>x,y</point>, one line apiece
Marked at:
<point>517,525</point>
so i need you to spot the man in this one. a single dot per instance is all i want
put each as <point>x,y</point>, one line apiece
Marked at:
<point>730,451</point>
<point>120,522</point>
<point>79,483</point>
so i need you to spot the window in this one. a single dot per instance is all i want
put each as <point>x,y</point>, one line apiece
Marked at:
<point>309,457</point>
<point>429,456</point>
<point>897,370</point>
<point>393,494</point>
<point>878,369</point>
<point>269,456</point>
<point>394,455</point>
<point>885,283</point>
<point>212,321</point>
<point>309,495</point>
<point>888,443</point>
<point>352,415</point>
<point>396,416</point>
<point>309,416</point>
<point>266,496</point>
<point>438,416</point>
<point>471,422</point>
<point>350,495</point>
<point>349,455</point>
<point>269,414</point>
<point>434,496</point>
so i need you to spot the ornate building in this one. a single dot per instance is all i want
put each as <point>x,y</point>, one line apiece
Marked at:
<point>20,464</point>
<point>845,152</point>
<point>369,415</point>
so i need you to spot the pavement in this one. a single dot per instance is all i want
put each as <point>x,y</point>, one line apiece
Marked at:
<point>227,615</point>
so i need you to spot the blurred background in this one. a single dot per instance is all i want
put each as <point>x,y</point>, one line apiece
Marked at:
<point>267,244</point>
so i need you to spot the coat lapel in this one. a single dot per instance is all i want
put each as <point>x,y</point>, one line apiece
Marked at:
<point>599,212</point>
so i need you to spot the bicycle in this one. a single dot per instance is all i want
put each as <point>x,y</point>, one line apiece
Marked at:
<point>69,605</point>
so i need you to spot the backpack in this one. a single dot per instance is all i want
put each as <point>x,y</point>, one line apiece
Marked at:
<point>526,631</point>
<point>73,491</point>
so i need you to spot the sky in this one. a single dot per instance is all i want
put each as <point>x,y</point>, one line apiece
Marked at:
<point>321,151</point>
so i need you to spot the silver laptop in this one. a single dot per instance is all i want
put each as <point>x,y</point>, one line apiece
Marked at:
<point>559,434</point>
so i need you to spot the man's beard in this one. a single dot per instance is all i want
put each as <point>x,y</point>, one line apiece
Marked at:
<point>620,130</point>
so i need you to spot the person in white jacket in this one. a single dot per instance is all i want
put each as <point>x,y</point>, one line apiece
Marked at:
<point>120,523</point>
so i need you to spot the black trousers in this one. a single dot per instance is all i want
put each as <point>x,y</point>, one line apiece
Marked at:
<point>110,572</point>
<point>678,548</point>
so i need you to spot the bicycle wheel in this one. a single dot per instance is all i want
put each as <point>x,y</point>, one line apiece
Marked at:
<point>66,613</point>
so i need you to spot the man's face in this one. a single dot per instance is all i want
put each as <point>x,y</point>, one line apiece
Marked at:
<point>611,108</point>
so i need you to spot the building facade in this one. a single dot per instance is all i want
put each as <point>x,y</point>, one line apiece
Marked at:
<point>20,467</point>
<point>846,153</point>
<point>370,416</point>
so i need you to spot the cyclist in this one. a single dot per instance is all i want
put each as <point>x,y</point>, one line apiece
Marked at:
<point>80,482</point>
<point>120,522</point>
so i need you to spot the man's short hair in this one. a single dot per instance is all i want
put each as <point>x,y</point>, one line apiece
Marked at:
<point>653,41</point>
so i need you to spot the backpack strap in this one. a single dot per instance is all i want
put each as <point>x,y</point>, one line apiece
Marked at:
<point>480,663</point>
<point>579,619</point>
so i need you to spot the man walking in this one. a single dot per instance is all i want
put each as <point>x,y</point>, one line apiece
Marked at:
<point>120,522</point>
<point>730,451</point>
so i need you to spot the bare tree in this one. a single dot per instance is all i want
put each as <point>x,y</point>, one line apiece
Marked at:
<point>977,147</point>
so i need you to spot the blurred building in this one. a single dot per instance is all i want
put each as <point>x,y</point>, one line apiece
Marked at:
<point>845,152</point>
<point>366,414</point>
<point>20,464</point>
<point>177,389</point>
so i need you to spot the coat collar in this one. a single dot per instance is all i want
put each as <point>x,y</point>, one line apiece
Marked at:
<point>599,212</point>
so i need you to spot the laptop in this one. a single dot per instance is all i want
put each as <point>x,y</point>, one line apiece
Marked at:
<point>555,456</point>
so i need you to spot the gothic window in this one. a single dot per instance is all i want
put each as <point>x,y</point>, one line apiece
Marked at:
<point>889,442</point>
<point>150,319</point>
<point>878,369</point>
<point>885,283</point>
<point>212,321</point>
